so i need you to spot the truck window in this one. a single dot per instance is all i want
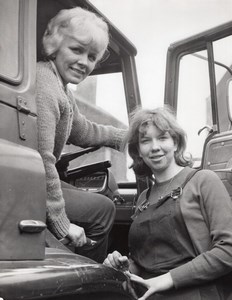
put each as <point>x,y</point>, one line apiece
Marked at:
<point>9,37</point>
<point>194,106</point>
<point>194,109</point>
<point>223,73</point>
<point>101,98</point>
<point>107,95</point>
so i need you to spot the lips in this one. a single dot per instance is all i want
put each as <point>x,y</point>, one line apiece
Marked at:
<point>156,158</point>
<point>78,71</point>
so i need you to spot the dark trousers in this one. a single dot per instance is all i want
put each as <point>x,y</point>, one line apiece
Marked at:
<point>95,213</point>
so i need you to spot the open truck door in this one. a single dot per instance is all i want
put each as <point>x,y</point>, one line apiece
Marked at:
<point>198,87</point>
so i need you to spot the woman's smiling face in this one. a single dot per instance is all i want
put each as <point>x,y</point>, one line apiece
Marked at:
<point>77,56</point>
<point>157,149</point>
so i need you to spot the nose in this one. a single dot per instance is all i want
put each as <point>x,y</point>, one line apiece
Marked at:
<point>83,59</point>
<point>155,146</point>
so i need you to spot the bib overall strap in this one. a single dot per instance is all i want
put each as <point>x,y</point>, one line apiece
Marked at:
<point>174,194</point>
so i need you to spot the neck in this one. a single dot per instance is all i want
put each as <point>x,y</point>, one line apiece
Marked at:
<point>168,173</point>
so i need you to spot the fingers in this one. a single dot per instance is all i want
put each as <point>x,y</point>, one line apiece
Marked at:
<point>124,263</point>
<point>144,282</point>
<point>77,235</point>
<point>116,261</point>
<point>107,263</point>
<point>138,279</point>
<point>147,294</point>
<point>112,260</point>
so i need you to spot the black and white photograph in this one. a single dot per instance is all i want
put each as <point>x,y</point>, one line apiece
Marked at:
<point>115,149</point>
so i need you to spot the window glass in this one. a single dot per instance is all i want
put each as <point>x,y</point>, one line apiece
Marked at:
<point>223,73</point>
<point>9,19</point>
<point>194,104</point>
<point>222,53</point>
<point>101,99</point>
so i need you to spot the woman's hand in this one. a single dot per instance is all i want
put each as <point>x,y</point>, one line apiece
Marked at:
<point>77,235</point>
<point>117,261</point>
<point>154,285</point>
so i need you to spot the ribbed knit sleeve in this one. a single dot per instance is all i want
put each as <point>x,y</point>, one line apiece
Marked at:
<point>48,111</point>
<point>207,211</point>
<point>85,133</point>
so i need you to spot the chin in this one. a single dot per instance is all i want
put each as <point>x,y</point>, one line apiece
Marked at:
<point>75,81</point>
<point>78,80</point>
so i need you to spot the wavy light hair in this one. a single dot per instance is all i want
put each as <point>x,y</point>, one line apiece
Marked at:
<point>82,22</point>
<point>164,119</point>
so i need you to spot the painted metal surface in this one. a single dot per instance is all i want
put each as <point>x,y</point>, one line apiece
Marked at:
<point>60,273</point>
<point>21,174</point>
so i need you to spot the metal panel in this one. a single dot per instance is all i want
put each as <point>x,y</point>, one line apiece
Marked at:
<point>10,123</point>
<point>24,83</point>
<point>63,275</point>
<point>22,197</point>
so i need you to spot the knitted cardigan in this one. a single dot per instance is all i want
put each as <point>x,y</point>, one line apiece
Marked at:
<point>59,120</point>
<point>207,212</point>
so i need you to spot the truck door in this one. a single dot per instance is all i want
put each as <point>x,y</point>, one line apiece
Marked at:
<point>22,179</point>
<point>198,86</point>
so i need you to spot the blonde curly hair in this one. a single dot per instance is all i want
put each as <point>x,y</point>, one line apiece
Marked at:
<point>76,20</point>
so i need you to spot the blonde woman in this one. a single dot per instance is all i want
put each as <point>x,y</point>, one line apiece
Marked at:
<point>75,40</point>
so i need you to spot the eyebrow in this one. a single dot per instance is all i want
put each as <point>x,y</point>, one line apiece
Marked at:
<point>144,133</point>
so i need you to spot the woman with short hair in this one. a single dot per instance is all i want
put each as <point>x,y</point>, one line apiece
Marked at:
<point>74,42</point>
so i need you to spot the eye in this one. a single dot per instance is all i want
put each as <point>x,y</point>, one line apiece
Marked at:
<point>163,137</point>
<point>76,50</point>
<point>144,140</point>
<point>92,57</point>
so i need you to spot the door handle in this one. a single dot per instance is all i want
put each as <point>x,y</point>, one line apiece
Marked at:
<point>32,226</point>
